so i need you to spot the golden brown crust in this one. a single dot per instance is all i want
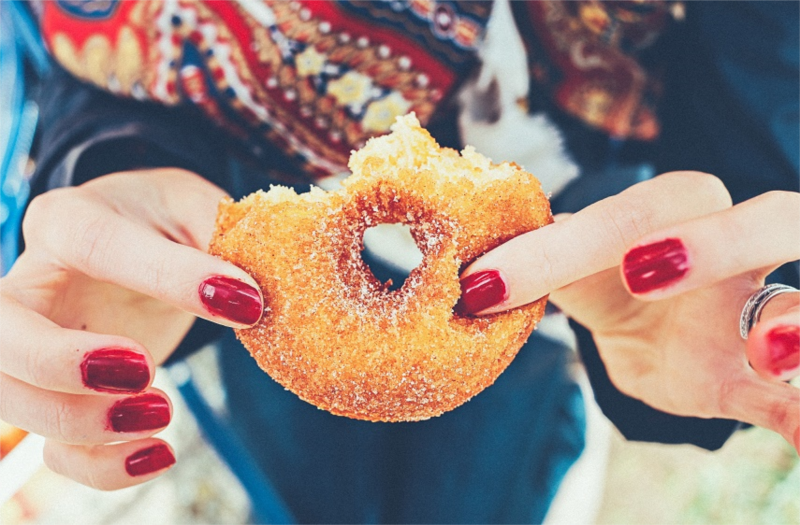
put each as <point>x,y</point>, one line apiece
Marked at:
<point>331,333</point>
<point>10,437</point>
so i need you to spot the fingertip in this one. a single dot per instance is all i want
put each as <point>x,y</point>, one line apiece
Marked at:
<point>150,461</point>
<point>651,269</point>
<point>117,369</point>
<point>481,291</point>
<point>773,349</point>
<point>512,274</point>
<point>148,412</point>
<point>166,397</point>
<point>110,467</point>
<point>231,301</point>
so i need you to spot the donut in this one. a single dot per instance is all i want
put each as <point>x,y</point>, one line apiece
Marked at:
<point>10,437</point>
<point>339,338</point>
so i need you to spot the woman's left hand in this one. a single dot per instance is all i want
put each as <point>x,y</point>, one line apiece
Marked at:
<point>659,274</point>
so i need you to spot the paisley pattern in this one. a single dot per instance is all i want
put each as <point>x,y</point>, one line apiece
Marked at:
<point>317,79</point>
<point>586,57</point>
<point>314,78</point>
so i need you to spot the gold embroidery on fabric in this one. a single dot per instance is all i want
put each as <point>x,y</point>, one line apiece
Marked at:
<point>99,63</point>
<point>128,64</point>
<point>344,87</point>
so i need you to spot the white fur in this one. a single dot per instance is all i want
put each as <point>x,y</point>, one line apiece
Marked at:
<point>532,141</point>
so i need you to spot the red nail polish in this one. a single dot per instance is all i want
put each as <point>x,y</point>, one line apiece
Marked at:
<point>652,266</point>
<point>234,300</point>
<point>479,291</point>
<point>140,413</point>
<point>115,370</point>
<point>150,459</point>
<point>784,348</point>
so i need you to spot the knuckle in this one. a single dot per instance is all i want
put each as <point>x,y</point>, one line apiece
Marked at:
<point>624,225</point>
<point>89,241</point>
<point>548,269</point>
<point>41,210</point>
<point>541,263</point>
<point>68,223</point>
<point>783,202</point>
<point>69,461</point>
<point>706,190</point>
<point>58,421</point>
<point>156,279</point>
<point>35,367</point>
<point>712,191</point>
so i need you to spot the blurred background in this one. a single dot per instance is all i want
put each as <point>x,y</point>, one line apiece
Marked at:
<point>754,479</point>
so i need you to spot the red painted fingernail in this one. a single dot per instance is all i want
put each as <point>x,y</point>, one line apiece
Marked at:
<point>149,460</point>
<point>140,413</point>
<point>784,348</point>
<point>652,266</point>
<point>234,300</point>
<point>479,291</point>
<point>115,370</point>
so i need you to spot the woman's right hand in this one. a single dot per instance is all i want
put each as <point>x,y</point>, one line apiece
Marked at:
<point>112,276</point>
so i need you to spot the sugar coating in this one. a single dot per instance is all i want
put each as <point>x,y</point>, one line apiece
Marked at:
<point>332,333</point>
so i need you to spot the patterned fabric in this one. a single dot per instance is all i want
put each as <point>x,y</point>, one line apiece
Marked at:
<point>586,57</point>
<point>316,79</point>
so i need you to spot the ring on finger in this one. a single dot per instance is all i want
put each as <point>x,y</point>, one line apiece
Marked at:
<point>751,313</point>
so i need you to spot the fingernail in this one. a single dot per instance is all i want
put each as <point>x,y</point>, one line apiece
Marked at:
<point>234,300</point>
<point>784,348</point>
<point>150,459</point>
<point>140,413</point>
<point>652,266</point>
<point>480,291</point>
<point>115,370</point>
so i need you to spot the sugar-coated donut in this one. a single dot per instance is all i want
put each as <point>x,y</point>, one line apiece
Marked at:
<point>332,333</point>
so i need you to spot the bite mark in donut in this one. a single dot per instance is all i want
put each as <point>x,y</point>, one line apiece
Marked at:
<point>332,333</point>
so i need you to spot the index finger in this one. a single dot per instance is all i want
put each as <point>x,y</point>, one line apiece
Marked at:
<point>97,241</point>
<point>594,239</point>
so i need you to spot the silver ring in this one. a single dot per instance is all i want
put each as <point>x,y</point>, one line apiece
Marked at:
<point>751,313</point>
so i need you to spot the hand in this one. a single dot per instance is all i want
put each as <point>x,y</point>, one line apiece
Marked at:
<point>112,276</point>
<point>659,274</point>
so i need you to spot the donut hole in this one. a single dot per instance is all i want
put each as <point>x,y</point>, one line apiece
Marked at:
<point>391,253</point>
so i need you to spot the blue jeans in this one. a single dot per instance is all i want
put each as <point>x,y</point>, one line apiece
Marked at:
<point>497,459</point>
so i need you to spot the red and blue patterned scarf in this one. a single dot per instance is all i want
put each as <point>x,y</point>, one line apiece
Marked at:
<point>319,78</point>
